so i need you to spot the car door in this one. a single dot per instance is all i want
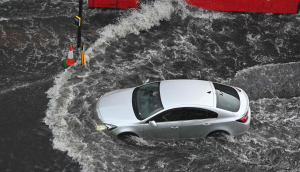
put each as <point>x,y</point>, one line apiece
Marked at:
<point>105,3</point>
<point>168,126</point>
<point>196,123</point>
<point>272,6</point>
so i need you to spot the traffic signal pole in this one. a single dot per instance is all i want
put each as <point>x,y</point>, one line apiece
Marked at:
<point>80,24</point>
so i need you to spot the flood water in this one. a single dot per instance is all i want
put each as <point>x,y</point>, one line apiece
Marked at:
<point>48,119</point>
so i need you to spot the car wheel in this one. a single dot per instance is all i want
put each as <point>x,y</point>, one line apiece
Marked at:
<point>218,134</point>
<point>128,137</point>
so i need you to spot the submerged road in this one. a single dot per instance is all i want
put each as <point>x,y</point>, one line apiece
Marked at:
<point>47,114</point>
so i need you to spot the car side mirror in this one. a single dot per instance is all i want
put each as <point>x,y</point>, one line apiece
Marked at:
<point>152,123</point>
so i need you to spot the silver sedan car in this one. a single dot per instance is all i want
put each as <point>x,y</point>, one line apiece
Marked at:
<point>175,109</point>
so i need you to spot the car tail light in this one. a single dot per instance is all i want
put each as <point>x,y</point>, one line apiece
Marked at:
<point>244,118</point>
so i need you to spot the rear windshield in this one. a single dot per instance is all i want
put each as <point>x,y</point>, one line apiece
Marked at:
<point>146,100</point>
<point>227,98</point>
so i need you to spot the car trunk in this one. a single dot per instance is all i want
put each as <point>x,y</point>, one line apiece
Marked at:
<point>244,103</point>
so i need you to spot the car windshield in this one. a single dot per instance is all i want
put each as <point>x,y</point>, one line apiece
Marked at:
<point>146,100</point>
<point>227,98</point>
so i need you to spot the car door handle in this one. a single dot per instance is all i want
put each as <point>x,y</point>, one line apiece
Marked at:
<point>206,124</point>
<point>175,127</point>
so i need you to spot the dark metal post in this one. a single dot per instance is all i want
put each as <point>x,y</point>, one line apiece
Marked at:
<point>79,27</point>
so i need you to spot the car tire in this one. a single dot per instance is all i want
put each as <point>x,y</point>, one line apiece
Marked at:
<point>218,134</point>
<point>128,137</point>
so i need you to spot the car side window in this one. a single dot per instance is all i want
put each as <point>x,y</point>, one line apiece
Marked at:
<point>211,114</point>
<point>194,114</point>
<point>168,116</point>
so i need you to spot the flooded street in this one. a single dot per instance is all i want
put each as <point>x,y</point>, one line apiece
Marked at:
<point>49,119</point>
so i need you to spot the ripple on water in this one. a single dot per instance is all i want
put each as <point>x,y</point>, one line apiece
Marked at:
<point>270,144</point>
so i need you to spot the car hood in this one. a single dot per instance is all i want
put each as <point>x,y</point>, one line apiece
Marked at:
<point>116,107</point>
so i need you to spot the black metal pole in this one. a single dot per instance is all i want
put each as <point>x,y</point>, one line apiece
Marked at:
<point>79,27</point>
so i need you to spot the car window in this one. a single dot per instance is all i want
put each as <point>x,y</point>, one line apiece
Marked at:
<point>194,114</point>
<point>146,100</point>
<point>227,98</point>
<point>168,116</point>
<point>211,114</point>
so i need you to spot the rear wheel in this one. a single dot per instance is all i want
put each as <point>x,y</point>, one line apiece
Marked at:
<point>218,134</point>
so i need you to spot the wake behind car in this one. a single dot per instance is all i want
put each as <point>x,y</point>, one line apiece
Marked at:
<point>175,109</point>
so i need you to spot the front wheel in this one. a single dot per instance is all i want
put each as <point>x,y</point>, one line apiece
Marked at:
<point>128,137</point>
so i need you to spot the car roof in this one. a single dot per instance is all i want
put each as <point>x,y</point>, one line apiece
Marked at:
<point>186,92</point>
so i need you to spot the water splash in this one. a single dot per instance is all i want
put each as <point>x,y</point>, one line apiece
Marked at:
<point>114,64</point>
<point>147,17</point>
<point>268,81</point>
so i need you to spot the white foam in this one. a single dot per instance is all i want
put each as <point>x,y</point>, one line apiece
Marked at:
<point>147,17</point>
<point>62,94</point>
<point>257,67</point>
<point>23,85</point>
<point>3,19</point>
<point>64,139</point>
<point>138,20</point>
<point>3,1</point>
